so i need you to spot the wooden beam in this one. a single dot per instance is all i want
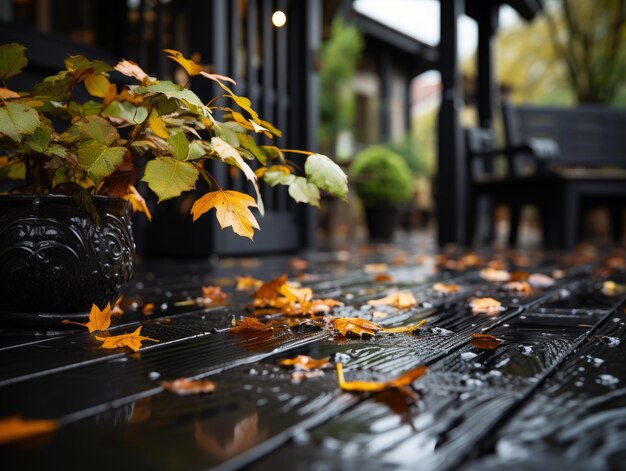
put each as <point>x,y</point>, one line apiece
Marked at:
<point>451,175</point>
<point>486,91</point>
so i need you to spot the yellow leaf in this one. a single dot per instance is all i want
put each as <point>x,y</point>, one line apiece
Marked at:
<point>98,320</point>
<point>305,362</point>
<point>399,300</point>
<point>110,95</point>
<point>97,85</point>
<point>232,208</point>
<point>137,202</point>
<point>157,125</point>
<point>131,69</point>
<point>249,323</point>
<point>259,172</point>
<point>296,294</point>
<point>408,328</point>
<point>247,282</point>
<point>190,66</point>
<point>356,326</point>
<point>132,340</point>
<point>15,428</point>
<point>375,386</point>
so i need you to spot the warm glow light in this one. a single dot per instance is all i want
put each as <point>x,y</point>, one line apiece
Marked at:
<point>279,19</point>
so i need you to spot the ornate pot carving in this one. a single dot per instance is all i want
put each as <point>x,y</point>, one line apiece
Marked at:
<point>55,261</point>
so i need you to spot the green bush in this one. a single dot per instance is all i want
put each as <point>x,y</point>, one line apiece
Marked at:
<point>381,177</point>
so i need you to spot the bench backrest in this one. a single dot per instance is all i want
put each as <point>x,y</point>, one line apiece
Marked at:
<point>586,135</point>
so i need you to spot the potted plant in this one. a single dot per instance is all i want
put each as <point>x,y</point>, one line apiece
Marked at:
<point>69,168</point>
<point>383,181</point>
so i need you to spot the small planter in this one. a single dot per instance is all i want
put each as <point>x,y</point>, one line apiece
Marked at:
<point>381,222</point>
<point>55,261</point>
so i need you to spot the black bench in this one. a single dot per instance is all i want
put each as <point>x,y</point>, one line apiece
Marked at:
<point>563,160</point>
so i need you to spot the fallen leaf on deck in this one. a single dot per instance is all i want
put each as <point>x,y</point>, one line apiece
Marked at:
<point>375,268</point>
<point>379,315</point>
<point>408,328</point>
<point>485,341</point>
<point>298,376</point>
<point>356,326</point>
<point>490,274</point>
<point>400,259</point>
<point>148,309</point>
<point>117,310</point>
<point>610,288</point>
<point>539,280</point>
<point>298,264</point>
<point>296,294</point>
<point>305,362</point>
<point>446,288</point>
<point>472,259</point>
<point>488,306</point>
<point>98,320</point>
<point>247,324</point>
<point>271,289</point>
<point>520,276</point>
<point>215,294</point>
<point>399,300</point>
<point>520,287</point>
<point>383,278</point>
<point>375,386</point>
<point>16,428</point>
<point>132,340</point>
<point>247,282</point>
<point>496,264</point>
<point>184,386</point>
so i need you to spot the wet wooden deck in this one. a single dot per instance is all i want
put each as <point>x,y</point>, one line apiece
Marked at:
<point>551,396</point>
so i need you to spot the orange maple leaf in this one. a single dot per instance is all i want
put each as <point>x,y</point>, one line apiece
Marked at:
<point>132,340</point>
<point>232,209</point>
<point>184,386</point>
<point>445,288</point>
<point>376,386</point>
<point>98,320</point>
<point>305,362</point>
<point>214,293</point>
<point>356,326</point>
<point>249,323</point>
<point>271,289</point>
<point>16,428</point>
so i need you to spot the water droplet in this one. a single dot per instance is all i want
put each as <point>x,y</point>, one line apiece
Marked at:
<point>607,380</point>
<point>154,375</point>
<point>468,356</point>
<point>611,341</point>
<point>525,349</point>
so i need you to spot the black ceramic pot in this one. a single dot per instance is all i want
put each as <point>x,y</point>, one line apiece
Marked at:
<point>381,222</point>
<point>55,261</point>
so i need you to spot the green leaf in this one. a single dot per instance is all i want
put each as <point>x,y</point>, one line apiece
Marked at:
<point>40,139</point>
<point>178,145</point>
<point>304,192</point>
<point>99,160</point>
<point>12,60</point>
<point>79,64</point>
<point>55,87</point>
<point>196,151</point>
<point>98,129</point>
<point>169,177</point>
<point>17,120</point>
<point>326,175</point>
<point>126,111</point>
<point>248,143</point>
<point>299,188</point>
<point>86,109</point>
<point>172,90</point>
